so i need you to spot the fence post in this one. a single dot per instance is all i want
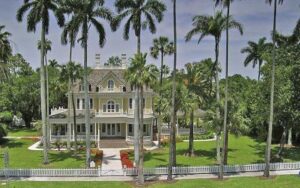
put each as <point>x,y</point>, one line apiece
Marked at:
<point>99,171</point>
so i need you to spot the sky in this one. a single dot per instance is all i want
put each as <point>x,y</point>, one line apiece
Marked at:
<point>255,15</point>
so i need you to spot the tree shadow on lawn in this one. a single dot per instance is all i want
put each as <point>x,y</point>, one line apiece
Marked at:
<point>292,153</point>
<point>12,144</point>
<point>57,156</point>
<point>155,156</point>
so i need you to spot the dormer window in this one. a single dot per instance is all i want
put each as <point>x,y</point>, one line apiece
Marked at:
<point>90,87</point>
<point>97,89</point>
<point>110,85</point>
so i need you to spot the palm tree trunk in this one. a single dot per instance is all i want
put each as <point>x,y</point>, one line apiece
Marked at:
<point>86,98</point>
<point>269,140</point>
<point>226,97</point>
<point>191,138</point>
<point>218,131</point>
<point>69,105</point>
<point>161,82</point>
<point>47,101</point>
<point>136,127</point>
<point>290,137</point>
<point>43,97</point>
<point>74,124</point>
<point>226,148</point>
<point>141,138</point>
<point>259,69</point>
<point>172,152</point>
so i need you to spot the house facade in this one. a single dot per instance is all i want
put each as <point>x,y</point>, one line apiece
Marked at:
<point>111,102</point>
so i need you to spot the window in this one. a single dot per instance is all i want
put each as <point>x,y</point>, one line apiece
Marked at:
<point>145,128</point>
<point>91,103</point>
<point>103,128</point>
<point>78,103</point>
<point>144,102</point>
<point>83,104</point>
<point>130,103</point>
<point>78,128</point>
<point>110,85</point>
<point>90,87</point>
<point>80,88</point>
<point>124,89</point>
<point>118,128</point>
<point>110,106</point>
<point>131,87</point>
<point>91,128</point>
<point>104,107</point>
<point>130,128</point>
<point>83,127</point>
<point>97,89</point>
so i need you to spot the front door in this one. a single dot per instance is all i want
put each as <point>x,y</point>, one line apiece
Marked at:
<point>111,130</point>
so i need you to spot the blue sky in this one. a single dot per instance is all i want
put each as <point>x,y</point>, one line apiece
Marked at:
<point>255,15</point>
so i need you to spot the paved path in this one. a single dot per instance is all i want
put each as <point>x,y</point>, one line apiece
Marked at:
<point>111,159</point>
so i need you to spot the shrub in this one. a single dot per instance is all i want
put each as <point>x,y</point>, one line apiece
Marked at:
<point>3,131</point>
<point>126,162</point>
<point>6,117</point>
<point>208,135</point>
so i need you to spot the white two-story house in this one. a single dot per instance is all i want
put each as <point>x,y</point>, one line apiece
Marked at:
<point>111,101</point>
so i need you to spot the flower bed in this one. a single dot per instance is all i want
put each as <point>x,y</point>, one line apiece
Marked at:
<point>98,156</point>
<point>126,162</point>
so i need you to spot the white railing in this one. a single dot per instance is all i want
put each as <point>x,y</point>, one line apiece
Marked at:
<point>65,137</point>
<point>97,172</point>
<point>183,131</point>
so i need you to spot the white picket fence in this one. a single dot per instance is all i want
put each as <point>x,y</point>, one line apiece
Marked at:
<point>147,171</point>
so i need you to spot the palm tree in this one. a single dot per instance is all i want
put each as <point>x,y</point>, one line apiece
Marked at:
<point>140,75</point>
<point>85,14</point>
<point>225,3</point>
<point>255,53</point>
<point>172,151</point>
<point>5,52</point>
<point>69,36</point>
<point>72,72</point>
<point>270,128</point>
<point>136,10</point>
<point>47,47</point>
<point>191,80</point>
<point>214,26</point>
<point>163,47</point>
<point>39,12</point>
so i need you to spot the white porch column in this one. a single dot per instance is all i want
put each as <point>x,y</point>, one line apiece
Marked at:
<point>95,129</point>
<point>126,131</point>
<point>151,131</point>
<point>98,139</point>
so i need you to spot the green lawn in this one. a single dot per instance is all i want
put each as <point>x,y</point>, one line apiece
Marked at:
<point>242,150</point>
<point>22,132</point>
<point>291,181</point>
<point>20,156</point>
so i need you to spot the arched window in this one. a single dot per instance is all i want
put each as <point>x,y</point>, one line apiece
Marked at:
<point>110,85</point>
<point>110,106</point>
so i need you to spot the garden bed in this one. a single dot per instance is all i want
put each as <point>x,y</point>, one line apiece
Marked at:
<point>126,162</point>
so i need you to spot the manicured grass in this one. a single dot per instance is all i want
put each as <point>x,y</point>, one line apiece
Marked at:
<point>21,157</point>
<point>290,181</point>
<point>242,150</point>
<point>249,182</point>
<point>22,132</point>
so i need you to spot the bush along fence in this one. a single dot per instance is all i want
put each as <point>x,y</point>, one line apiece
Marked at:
<point>97,172</point>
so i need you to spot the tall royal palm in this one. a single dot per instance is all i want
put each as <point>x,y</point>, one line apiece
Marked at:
<point>270,128</point>
<point>39,12</point>
<point>139,74</point>
<point>214,26</point>
<point>47,47</point>
<point>172,147</point>
<point>5,52</point>
<point>136,10</point>
<point>72,72</point>
<point>161,46</point>
<point>255,52</point>
<point>85,14</point>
